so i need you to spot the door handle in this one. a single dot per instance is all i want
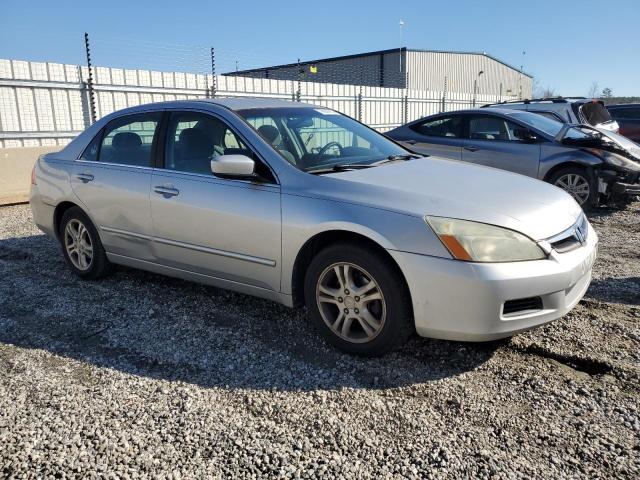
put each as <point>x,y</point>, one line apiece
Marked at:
<point>410,142</point>
<point>471,148</point>
<point>166,192</point>
<point>85,177</point>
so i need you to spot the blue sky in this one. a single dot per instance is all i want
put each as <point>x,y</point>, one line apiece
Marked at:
<point>568,43</point>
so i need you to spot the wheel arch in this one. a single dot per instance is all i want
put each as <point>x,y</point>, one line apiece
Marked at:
<point>323,239</point>
<point>59,212</point>
<point>589,168</point>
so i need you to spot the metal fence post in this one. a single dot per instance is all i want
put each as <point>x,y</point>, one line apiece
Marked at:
<point>299,91</point>
<point>213,73</point>
<point>444,96</point>
<point>92,101</point>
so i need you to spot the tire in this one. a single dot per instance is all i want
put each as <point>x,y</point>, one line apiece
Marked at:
<point>86,257</point>
<point>389,317</point>
<point>581,178</point>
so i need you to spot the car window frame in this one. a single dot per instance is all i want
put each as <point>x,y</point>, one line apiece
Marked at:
<point>467,129</point>
<point>102,132</point>
<point>160,157</point>
<point>414,127</point>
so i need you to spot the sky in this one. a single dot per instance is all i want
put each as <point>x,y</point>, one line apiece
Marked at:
<point>569,44</point>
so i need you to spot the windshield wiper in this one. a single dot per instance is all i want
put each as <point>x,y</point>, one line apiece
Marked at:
<point>340,167</point>
<point>343,167</point>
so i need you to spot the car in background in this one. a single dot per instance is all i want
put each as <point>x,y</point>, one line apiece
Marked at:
<point>305,206</point>
<point>593,166</point>
<point>572,110</point>
<point>628,117</point>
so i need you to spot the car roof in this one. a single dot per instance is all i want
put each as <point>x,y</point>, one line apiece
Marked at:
<point>482,111</point>
<point>624,105</point>
<point>229,103</point>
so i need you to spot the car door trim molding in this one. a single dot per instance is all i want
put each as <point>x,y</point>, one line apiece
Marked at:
<point>198,248</point>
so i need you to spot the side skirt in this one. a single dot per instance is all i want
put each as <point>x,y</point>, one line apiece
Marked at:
<point>267,294</point>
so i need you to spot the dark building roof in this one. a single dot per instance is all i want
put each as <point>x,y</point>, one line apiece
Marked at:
<point>368,54</point>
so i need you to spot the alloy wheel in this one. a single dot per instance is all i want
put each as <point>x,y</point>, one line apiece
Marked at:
<point>77,243</point>
<point>575,185</point>
<point>351,302</point>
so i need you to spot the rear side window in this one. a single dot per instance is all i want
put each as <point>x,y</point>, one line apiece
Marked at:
<point>551,115</point>
<point>626,113</point>
<point>441,127</point>
<point>127,140</point>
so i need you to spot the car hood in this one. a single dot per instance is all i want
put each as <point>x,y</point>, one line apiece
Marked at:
<point>447,188</point>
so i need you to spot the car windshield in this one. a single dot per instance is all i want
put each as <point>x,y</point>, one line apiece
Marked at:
<point>544,124</point>
<point>319,138</point>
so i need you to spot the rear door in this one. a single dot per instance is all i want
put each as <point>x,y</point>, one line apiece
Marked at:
<point>440,136</point>
<point>112,179</point>
<point>221,227</point>
<point>496,142</point>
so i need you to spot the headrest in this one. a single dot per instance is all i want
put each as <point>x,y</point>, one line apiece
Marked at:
<point>126,141</point>
<point>194,143</point>
<point>270,133</point>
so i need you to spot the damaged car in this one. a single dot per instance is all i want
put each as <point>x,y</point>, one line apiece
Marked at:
<point>595,166</point>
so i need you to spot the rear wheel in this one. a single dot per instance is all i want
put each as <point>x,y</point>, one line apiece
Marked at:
<point>358,301</point>
<point>578,183</point>
<point>81,245</point>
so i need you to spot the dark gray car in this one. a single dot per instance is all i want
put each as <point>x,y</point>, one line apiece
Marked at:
<point>592,165</point>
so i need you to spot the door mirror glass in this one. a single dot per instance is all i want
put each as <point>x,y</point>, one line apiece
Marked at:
<point>233,165</point>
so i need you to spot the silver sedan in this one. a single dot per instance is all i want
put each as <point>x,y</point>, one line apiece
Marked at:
<point>304,206</point>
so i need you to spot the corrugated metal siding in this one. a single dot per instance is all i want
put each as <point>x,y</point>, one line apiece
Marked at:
<point>427,71</point>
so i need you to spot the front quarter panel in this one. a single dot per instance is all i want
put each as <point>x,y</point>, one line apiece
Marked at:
<point>305,217</point>
<point>553,155</point>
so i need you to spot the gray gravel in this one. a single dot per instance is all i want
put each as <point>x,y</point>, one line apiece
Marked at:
<point>139,375</point>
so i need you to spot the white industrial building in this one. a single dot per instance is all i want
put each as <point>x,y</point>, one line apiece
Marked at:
<point>462,72</point>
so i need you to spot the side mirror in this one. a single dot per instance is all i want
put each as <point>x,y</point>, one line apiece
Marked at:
<point>236,165</point>
<point>525,135</point>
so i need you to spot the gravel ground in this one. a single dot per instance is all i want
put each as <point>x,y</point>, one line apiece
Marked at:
<point>139,375</point>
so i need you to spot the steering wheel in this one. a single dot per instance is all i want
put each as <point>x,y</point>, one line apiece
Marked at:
<point>328,146</point>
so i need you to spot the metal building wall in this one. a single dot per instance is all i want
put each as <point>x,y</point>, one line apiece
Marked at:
<point>427,71</point>
<point>379,70</point>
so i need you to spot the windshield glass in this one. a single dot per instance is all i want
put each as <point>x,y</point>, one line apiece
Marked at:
<point>544,124</point>
<point>595,113</point>
<point>318,138</point>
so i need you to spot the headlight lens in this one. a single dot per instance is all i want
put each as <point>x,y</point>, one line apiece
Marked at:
<point>479,242</point>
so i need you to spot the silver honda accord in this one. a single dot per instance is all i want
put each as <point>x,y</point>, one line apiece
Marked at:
<point>305,206</point>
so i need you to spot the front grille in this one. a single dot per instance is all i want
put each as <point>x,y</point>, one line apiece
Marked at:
<point>571,238</point>
<point>522,305</point>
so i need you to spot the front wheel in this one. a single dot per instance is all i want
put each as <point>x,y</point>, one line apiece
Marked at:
<point>578,183</point>
<point>358,301</point>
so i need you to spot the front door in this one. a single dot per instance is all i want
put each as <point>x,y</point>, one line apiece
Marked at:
<point>112,179</point>
<point>499,143</point>
<point>225,228</point>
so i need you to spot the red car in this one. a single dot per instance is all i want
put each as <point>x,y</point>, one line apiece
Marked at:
<point>628,117</point>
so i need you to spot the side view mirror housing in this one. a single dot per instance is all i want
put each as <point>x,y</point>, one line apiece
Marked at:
<point>234,166</point>
<point>525,135</point>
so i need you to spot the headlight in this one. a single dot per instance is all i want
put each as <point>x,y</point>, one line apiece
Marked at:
<point>479,242</point>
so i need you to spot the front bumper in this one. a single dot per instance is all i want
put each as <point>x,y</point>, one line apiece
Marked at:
<point>456,300</point>
<point>620,188</point>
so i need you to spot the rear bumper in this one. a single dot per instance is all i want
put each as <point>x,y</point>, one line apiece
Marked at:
<point>464,301</point>
<point>43,213</point>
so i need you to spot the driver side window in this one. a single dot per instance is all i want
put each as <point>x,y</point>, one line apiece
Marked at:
<point>194,139</point>
<point>485,127</point>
